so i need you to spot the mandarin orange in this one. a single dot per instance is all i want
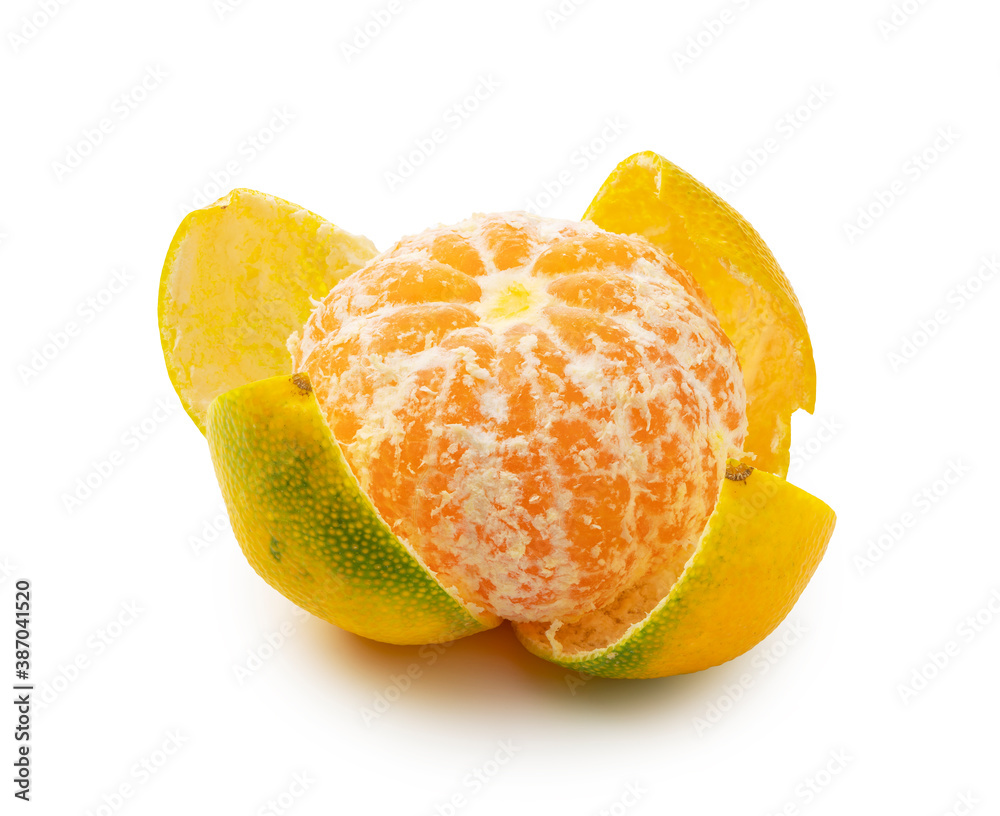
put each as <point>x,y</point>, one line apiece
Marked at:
<point>541,409</point>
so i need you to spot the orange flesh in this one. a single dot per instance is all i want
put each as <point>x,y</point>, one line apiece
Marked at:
<point>541,410</point>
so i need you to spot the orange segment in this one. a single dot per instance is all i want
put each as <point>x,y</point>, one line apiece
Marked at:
<point>506,244</point>
<point>649,196</point>
<point>603,292</point>
<point>583,253</point>
<point>411,329</point>
<point>453,250</point>
<point>412,280</point>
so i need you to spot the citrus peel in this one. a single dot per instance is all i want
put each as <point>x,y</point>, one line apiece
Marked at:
<point>308,529</point>
<point>650,196</point>
<point>759,550</point>
<point>239,277</point>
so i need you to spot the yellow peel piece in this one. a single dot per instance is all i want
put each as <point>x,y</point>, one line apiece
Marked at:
<point>758,552</point>
<point>236,282</point>
<point>307,528</point>
<point>755,304</point>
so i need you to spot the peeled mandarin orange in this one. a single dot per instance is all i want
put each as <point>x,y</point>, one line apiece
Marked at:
<point>510,418</point>
<point>542,409</point>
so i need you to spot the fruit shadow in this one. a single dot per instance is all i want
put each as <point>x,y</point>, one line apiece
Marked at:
<point>492,670</point>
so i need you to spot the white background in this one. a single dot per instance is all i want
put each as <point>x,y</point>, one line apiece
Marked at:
<point>832,714</point>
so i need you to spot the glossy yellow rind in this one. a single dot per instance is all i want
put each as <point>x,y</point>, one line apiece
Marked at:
<point>307,528</point>
<point>238,279</point>
<point>759,550</point>
<point>755,304</point>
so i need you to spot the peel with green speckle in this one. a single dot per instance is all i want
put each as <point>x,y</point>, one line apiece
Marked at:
<point>307,528</point>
